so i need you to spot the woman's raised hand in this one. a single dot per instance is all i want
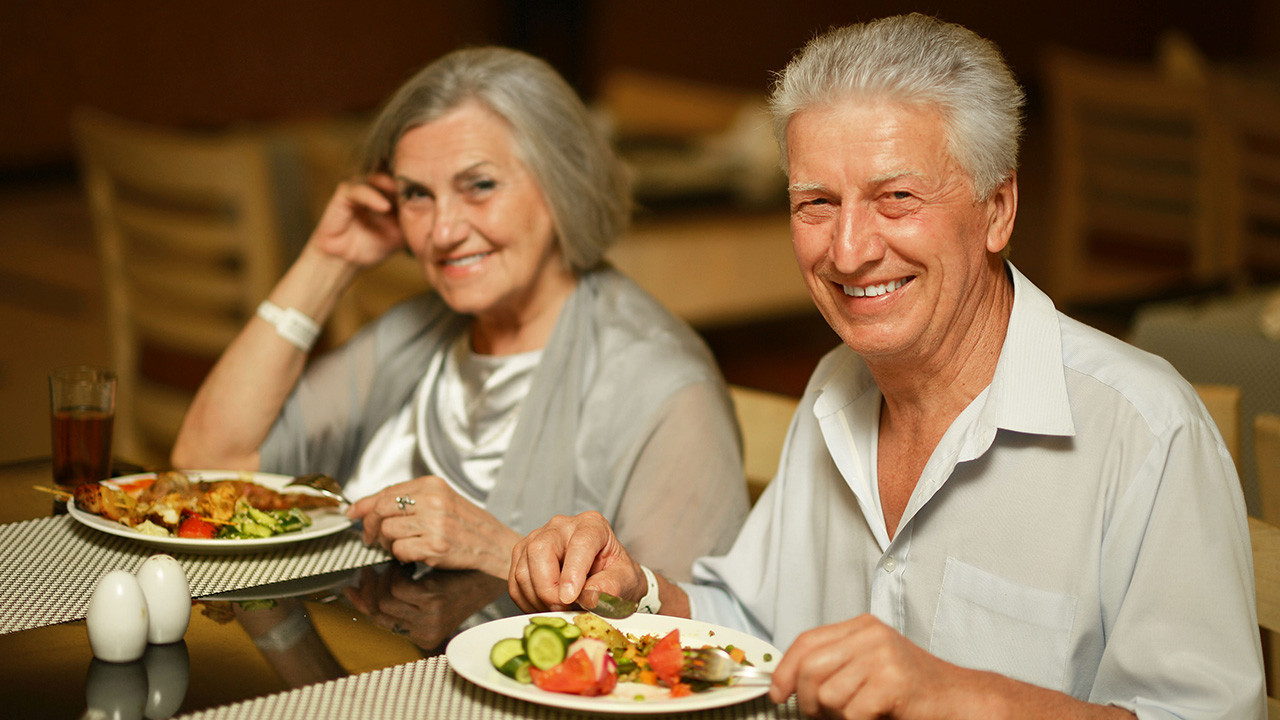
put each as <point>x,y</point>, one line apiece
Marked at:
<point>359,224</point>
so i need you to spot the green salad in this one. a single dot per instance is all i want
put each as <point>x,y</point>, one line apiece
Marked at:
<point>249,522</point>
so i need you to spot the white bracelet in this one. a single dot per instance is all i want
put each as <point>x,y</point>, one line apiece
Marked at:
<point>650,603</point>
<point>290,324</point>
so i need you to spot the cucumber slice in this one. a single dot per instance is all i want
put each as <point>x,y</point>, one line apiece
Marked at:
<point>545,647</point>
<point>504,651</point>
<point>517,668</point>
<point>549,621</point>
<point>570,632</point>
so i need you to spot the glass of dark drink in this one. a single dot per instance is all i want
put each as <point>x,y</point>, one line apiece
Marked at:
<point>82,404</point>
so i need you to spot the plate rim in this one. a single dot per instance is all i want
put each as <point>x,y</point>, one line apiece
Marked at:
<point>212,545</point>
<point>493,681</point>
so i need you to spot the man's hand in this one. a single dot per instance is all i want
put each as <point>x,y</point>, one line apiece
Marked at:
<point>569,560</point>
<point>862,668</point>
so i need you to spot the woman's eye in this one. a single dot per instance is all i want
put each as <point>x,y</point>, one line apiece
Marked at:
<point>482,185</point>
<point>412,192</point>
<point>900,195</point>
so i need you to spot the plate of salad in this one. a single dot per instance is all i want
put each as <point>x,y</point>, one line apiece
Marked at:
<point>207,511</point>
<point>556,659</point>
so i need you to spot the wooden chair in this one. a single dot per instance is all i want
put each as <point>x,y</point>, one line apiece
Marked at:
<point>189,244</point>
<point>1265,539</point>
<point>1266,449</point>
<point>1223,403</point>
<point>1251,185</point>
<point>1136,181</point>
<point>764,418</point>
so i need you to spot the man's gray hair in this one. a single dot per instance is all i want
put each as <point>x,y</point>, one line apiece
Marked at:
<point>585,185</point>
<point>915,59</point>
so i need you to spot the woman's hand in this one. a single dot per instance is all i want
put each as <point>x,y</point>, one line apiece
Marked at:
<point>359,224</point>
<point>568,561</point>
<point>436,526</point>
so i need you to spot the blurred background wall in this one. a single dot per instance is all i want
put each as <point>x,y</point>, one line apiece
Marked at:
<point>235,63</point>
<point>215,64</point>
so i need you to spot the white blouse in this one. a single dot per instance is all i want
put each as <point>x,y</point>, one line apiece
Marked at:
<point>457,425</point>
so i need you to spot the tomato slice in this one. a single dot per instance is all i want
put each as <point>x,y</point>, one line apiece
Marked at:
<point>135,485</point>
<point>667,658</point>
<point>574,676</point>
<point>194,526</point>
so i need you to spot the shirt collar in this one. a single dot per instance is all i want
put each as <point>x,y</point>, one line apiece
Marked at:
<point>1028,392</point>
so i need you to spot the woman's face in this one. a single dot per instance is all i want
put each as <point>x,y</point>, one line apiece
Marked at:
<point>477,221</point>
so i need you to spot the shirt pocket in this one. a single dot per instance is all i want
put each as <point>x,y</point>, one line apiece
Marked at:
<point>987,622</point>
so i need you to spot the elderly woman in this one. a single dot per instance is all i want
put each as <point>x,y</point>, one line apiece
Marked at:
<point>532,380</point>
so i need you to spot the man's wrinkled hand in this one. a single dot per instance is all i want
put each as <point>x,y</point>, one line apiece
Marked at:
<point>571,559</point>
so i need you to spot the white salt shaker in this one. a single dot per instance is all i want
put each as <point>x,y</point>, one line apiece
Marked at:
<point>117,618</point>
<point>168,596</point>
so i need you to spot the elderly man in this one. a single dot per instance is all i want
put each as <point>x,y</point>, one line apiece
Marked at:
<point>984,509</point>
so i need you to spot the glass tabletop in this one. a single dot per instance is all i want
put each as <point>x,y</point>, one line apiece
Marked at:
<point>241,644</point>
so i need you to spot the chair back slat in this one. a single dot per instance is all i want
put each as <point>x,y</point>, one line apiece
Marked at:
<point>189,242</point>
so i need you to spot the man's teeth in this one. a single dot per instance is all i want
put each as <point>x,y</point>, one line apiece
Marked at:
<point>468,260</point>
<point>873,290</point>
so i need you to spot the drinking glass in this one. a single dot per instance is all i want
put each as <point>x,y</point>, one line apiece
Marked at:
<point>82,406</point>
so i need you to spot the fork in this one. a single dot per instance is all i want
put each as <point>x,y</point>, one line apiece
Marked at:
<point>322,484</point>
<point>713,665</point>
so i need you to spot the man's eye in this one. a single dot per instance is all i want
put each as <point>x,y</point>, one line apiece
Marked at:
<point>900,195</point>
<point>810,203</point>
<point>412,192</point>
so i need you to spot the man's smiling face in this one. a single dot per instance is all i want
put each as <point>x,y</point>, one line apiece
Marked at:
<point>886,230</point>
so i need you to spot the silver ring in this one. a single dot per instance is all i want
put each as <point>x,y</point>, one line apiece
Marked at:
<point>404,501</point>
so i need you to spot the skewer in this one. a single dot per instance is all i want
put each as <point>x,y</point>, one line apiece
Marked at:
<point>62,494</point>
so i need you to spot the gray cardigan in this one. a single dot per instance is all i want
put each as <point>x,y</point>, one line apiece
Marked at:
<point>627,414</point>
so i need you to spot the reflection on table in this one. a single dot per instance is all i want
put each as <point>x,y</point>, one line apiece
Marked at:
<point>241,644</point>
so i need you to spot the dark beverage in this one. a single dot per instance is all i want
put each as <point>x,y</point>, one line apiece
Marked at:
<point>81,446</point>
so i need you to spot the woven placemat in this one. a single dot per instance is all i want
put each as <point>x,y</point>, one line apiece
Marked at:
<point>429,689</point>
<point>51,565</point>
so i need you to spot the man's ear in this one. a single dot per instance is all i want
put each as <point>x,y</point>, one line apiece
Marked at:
<point>1003,207</point>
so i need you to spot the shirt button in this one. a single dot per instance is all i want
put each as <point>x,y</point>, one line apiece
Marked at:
<point>890,564</point>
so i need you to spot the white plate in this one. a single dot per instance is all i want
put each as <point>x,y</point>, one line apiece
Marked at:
<point>468,655</point>
<point>324,521</point>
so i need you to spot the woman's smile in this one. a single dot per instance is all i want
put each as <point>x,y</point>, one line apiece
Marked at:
<point>466,260</point>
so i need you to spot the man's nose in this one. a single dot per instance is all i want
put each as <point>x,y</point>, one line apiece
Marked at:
<point>857,239</point>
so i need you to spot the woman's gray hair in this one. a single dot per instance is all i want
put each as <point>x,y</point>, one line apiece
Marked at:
<point>915,59</point>
<point>584,183</point>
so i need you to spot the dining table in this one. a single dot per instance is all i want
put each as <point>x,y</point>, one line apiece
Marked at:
<point>326,628</point>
